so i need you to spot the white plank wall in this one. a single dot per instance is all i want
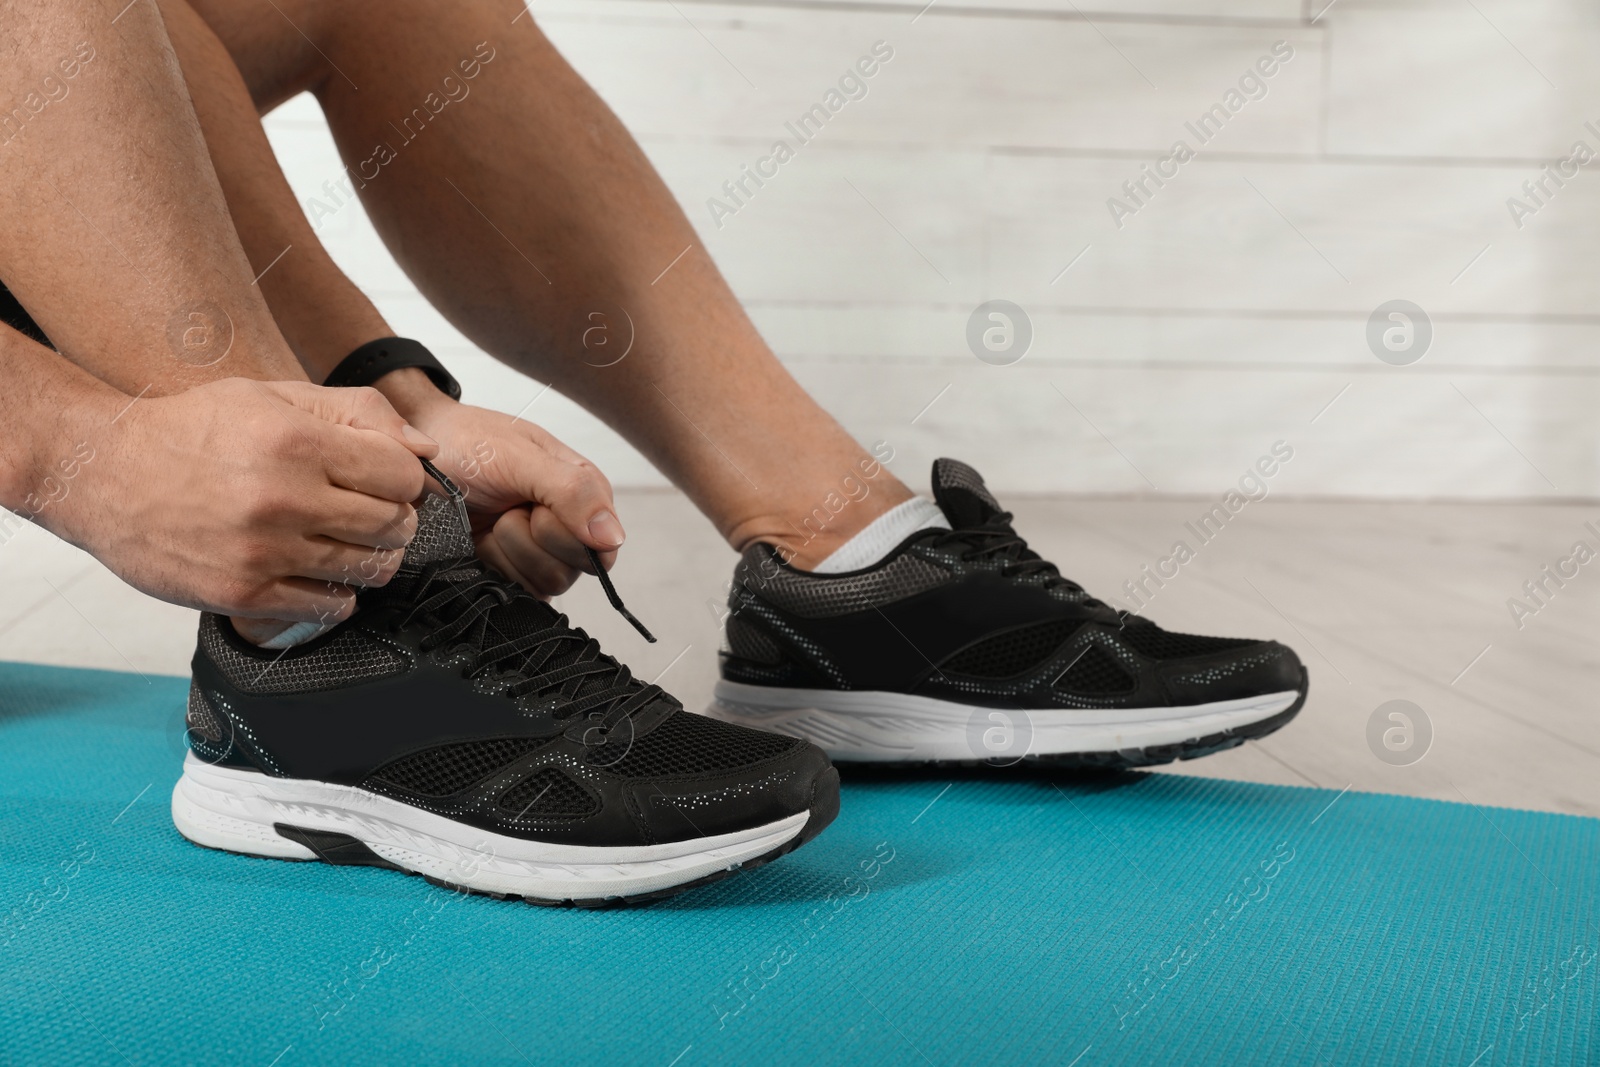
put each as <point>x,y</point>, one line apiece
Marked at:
<point>1225,314</point>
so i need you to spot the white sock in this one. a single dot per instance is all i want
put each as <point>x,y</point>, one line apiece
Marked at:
<point>882,534</point>
<point>297,634</point>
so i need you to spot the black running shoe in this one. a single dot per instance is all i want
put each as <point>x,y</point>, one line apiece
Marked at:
<point>963,645</point>
<point>458,728</point>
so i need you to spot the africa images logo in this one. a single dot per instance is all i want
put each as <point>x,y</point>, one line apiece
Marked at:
<point>1252,85</point>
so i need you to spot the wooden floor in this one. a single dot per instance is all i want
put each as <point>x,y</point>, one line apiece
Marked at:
<point>1383,601</point>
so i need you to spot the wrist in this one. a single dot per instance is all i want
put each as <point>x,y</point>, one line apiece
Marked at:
<point>47,484</point>
<point>412,393</point>
<point>377,360</point>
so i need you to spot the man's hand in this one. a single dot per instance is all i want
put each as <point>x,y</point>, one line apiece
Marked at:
<point>255,499</point>
<point>535,502</point>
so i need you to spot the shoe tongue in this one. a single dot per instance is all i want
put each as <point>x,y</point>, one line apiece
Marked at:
<point>441,533</point>
<point>961,495</point>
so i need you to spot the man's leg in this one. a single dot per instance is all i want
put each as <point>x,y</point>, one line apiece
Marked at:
<point>319,311</point>
<point>324,317</point>
<point>116,237</point>
<point>520,206</point>
<point>138,220</point>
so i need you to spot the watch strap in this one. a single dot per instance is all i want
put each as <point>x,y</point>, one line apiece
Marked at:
<point>374,359</point>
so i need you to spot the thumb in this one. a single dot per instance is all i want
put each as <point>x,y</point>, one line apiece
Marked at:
<point>360,408</point>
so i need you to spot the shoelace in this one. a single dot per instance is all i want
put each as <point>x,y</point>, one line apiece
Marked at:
<point>468,586</point>
<point>996,538</point>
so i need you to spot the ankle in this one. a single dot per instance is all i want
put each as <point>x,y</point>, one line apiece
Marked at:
<point>806,536</point>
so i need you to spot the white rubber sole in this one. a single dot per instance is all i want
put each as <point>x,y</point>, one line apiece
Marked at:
<point>882,727</point>
<point>235,810</point>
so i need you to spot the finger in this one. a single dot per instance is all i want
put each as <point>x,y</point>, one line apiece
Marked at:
<point>365,521</point>
<point>369,462</point>
<point>360,408</point>
<point>541,572</point>
<point>553,537</point>
<point>577,493</point>
<point>490,552</point>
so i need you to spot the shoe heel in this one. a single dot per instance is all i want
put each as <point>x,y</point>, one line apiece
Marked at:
<point>211,809</point>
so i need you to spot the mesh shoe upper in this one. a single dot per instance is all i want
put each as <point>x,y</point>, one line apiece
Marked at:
<point>452,690</point>
<point>974,615</point>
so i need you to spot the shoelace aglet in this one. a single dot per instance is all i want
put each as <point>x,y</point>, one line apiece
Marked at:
<point>453,491</point>
<point>611,594</point>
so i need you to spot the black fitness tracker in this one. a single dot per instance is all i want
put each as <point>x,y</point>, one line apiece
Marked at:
<point>374,359</point>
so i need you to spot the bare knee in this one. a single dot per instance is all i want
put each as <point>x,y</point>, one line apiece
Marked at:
<point>279,46</point>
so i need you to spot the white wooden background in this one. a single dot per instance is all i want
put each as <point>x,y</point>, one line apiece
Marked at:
<point>1222,317</point>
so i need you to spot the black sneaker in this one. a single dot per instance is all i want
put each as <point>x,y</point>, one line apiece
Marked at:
<point>458,728</point>
<point>962,645</point>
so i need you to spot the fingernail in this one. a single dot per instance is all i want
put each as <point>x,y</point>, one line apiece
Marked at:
<point>605,528</point>
<point>417,437</point>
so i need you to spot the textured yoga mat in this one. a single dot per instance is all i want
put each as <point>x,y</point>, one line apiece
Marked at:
<point>1142,919</point>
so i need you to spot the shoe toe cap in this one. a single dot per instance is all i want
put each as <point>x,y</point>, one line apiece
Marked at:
<point>675,809</point>
<point>1255,670</point>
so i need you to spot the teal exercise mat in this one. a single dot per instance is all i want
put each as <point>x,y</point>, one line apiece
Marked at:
<point>1133,919</point>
